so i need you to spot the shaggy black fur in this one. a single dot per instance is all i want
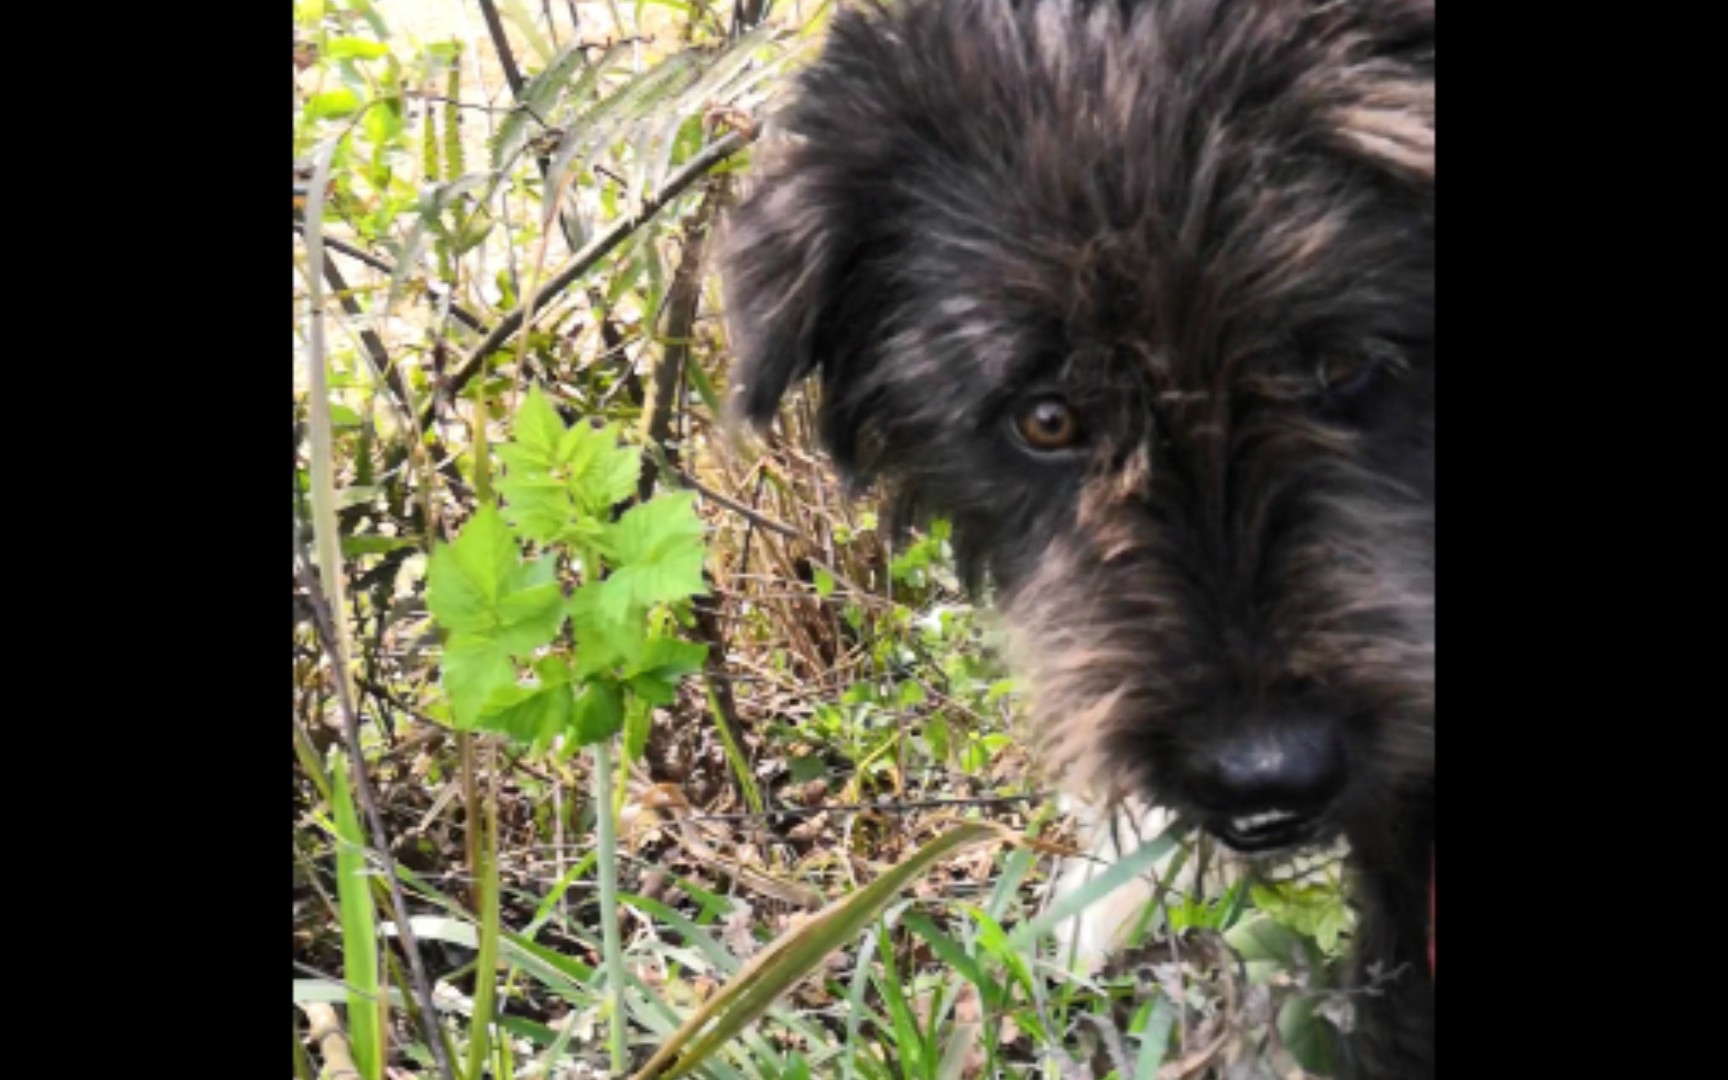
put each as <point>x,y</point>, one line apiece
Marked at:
<point>1140,295</point>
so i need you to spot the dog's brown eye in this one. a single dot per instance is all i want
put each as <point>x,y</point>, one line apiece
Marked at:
<point>1345,374</point>
<point>1048,424</point>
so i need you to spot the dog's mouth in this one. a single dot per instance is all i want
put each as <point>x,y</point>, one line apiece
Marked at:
<point>1266,831</point>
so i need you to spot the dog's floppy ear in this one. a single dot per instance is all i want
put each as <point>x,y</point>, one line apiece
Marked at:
<point>1386,117</point>
<point>785,255</point>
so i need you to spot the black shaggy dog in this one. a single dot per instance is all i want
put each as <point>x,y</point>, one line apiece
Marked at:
<point>1140,295</point>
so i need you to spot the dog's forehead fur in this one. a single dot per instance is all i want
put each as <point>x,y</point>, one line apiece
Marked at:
<point>1172,194</point>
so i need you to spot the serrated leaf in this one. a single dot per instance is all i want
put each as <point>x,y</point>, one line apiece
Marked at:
<point>657,553</point>
<point>603,472</point>
<point>538,430</point>
<point>604,640</point>
<point>465,577</point>
<point>473,669</point>
<point>533,714</point>
<point>599,712</point>
<point>531,618</point>
<point>537,505</point>
<point>664,662</point>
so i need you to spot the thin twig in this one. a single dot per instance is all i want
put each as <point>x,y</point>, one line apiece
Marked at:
<point>463,316</point>
<point>745,512</point>
<point>584,260</point>
<point>679,312</point>
<point>501,46</point>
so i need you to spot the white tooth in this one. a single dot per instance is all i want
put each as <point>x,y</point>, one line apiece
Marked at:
<point>1255,821</point>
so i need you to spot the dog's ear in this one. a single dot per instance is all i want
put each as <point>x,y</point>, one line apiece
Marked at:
<point>1386,120</point>
<point>1391,130</point>
<point>786,250</point>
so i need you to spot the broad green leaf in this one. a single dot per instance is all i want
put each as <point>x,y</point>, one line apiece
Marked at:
<point>604,640</point>
<point>599,712</point>
<point>657,554</point>
<point>474,669</point>
<point>671,658</point>
<point>603,472</point>
<point>533,714</point>
<point>663,663</point>
<point>531,612</point>
<point>537,504</point>
<point>538,430</point>
<point>1306,1034</point>
<point>464,578</point>
<point>383,121</point>
<point>353,48</point>
<point>332,103</point>
<point>1266,948</point>
<point>480,590</point>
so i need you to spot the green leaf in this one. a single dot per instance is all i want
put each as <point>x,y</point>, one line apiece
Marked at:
<point>671,658</point>
<point>332,103</point>
<point>638,718</point>
<point>353,48</point>
<point>532,607</point>
<point>603,640</point>
<point>464,578</point>
<point>656,550</point>
<point>383,121</point>
<point>533,714</point>
<point>538,430</point>
<point>474,670</point>
<point>479,589</point>
<point>1307,1034</point>
<point>366,1020</point>
<point>537,504</point>
<point>603,473</point>
<point>599,712</point>
<point>794,955</point>
<point>375,545</point>
<point>539,95</point>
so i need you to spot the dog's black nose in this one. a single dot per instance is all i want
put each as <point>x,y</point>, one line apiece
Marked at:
<point>1264,789</point>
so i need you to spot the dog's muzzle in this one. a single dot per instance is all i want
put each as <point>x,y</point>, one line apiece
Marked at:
<point>1267,789</point>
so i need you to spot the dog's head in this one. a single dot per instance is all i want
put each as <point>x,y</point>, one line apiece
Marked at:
<point>1139,295</point>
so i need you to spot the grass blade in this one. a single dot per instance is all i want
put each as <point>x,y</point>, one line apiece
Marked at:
<point>366,1019</point>
<point>796,954</point>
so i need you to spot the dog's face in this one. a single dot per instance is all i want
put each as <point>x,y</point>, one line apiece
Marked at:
<point>1140,296</point>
